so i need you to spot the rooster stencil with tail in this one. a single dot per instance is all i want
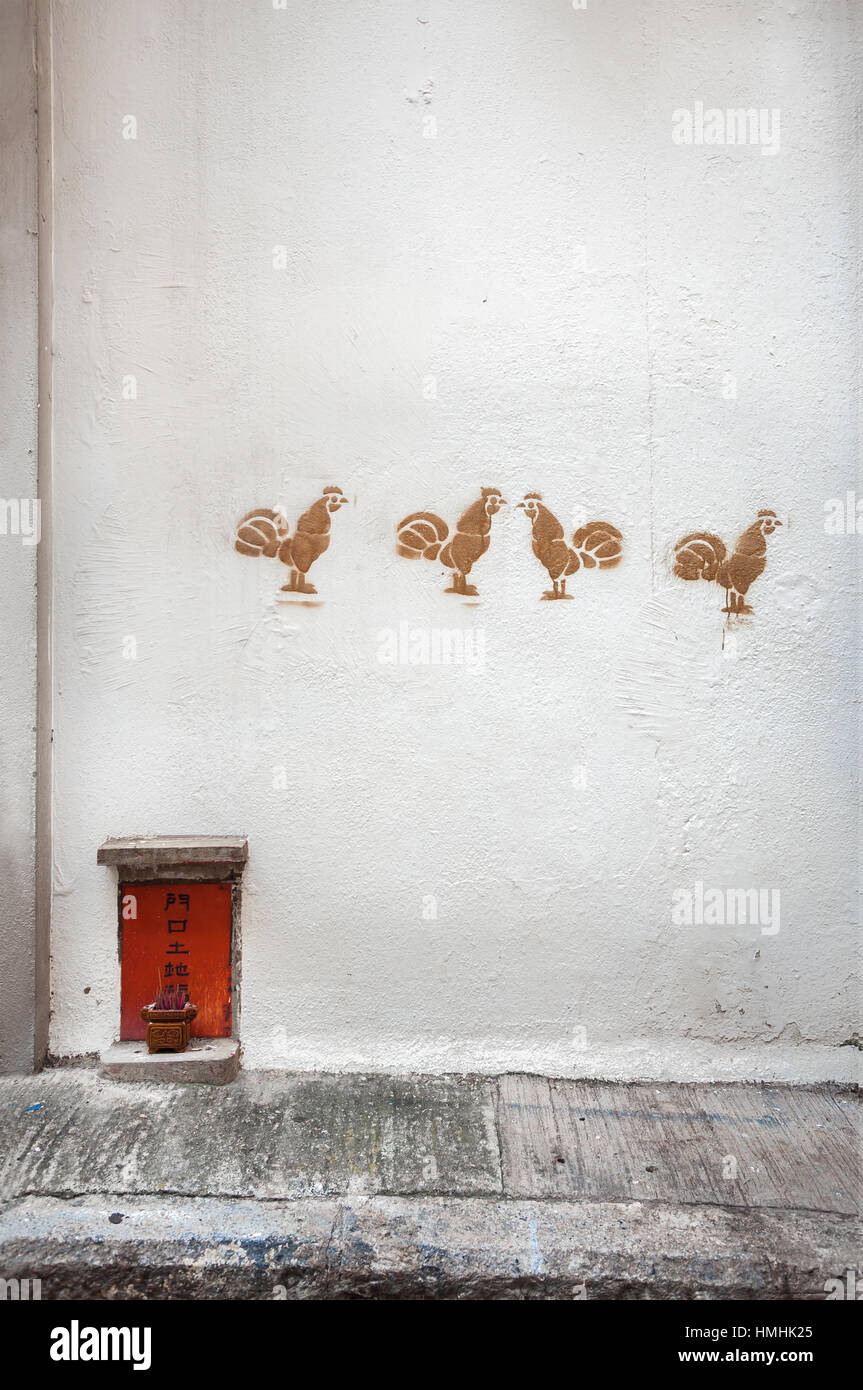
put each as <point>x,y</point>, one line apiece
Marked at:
<point>596,545</point>
<point>701,555</point>
<point>265,531</point>
<point>425,534</point>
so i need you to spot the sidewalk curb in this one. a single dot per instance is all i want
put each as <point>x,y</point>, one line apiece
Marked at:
<point>120,1247</point>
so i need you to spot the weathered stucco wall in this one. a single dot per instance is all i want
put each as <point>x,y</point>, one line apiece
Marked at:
<point>18,533</point>
<point>415,251</point>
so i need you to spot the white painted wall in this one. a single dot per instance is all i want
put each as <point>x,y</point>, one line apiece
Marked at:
<point>578,285</point>
<point>18,488</point>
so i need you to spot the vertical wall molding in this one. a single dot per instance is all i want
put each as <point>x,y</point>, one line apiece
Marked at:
<point>20,549</point>
<point>45,555</point>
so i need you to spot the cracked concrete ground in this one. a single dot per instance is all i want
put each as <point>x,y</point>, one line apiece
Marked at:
<point>323,1186</point>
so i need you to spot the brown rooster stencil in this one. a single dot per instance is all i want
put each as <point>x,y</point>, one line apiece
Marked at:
<point>702,555</point>
<point>265,531</point>
<point>424,533</point>
<point>596,545</point>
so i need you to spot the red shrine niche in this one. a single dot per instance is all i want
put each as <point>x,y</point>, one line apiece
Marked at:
<point>176,934</point>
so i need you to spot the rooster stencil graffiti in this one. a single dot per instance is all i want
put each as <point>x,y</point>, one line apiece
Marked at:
<point>596,545</point>
<point>424,533</point>
<point>702,555</point>
<point>265,531</point>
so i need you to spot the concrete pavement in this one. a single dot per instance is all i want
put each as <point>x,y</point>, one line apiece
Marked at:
<point>324,1186</point>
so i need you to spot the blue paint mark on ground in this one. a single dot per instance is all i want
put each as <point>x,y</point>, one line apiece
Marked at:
<point>537,1259</point>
